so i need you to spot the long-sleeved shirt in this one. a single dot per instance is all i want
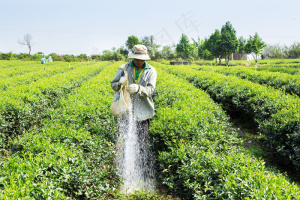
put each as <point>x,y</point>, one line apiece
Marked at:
<point>143,105</point>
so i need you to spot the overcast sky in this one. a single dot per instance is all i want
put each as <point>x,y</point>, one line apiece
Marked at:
<point>90,26</point>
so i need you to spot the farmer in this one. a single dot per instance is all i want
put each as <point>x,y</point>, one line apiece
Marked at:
<point>141,80</point>
<point>43,60</point>
<point>49,59</point>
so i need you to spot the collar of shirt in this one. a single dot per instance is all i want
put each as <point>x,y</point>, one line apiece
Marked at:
<point>137,75</point>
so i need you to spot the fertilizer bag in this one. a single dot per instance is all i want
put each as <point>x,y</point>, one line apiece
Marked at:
<point>121,101</point>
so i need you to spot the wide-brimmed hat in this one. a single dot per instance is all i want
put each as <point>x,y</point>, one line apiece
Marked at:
<point>139,51</point>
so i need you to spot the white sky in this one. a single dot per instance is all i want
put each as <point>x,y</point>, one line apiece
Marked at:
<point>90,26</point>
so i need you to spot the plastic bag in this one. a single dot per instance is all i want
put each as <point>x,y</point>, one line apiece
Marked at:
<point>121,102</point>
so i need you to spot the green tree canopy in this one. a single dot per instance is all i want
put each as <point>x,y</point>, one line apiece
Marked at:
<point>148,41</point>
<point>229,42</point>
<point>242,42</point>
<point>131,41</point>
<point>275,51</point>
<point>123,51</point>
<point>254,45</point>
<point>168,52</point>
<point>213,45</point>
<point>184,49</point>
<point>203,50</point>
<point>294,50</point>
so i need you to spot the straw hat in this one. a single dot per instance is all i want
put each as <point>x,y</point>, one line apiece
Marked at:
<point>139,51</point>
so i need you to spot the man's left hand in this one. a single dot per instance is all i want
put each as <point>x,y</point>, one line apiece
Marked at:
<point>132,88</point>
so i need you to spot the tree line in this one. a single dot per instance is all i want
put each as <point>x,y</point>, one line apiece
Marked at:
<point>221,44</point>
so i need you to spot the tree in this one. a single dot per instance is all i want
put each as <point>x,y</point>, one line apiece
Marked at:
<point>203,51</point>
<point>275,51</point>
<point>168,52</point>
<point>107,55</point>
<point>123,51</point>
<point>21,56</point>
<point>241,45</point>
<point>254,45</point>
<point>148,41</point>
<point>82,57</point>
<point>229,42</point>
<point>117,56</point>
<point>184,49</point>
<point>213,46</point>
<point>27,41</point>
<point>195,46</point>
<point>96,56</point>
<point>131,41</point>
<point>294,50</point>
<point>6,56</point>
<point>69,58</point>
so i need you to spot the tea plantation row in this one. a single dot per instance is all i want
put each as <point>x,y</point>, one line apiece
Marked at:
<point>13,68</point>
<point>287,70</point>
<point>69,153</point>
<point>16,63</point>
<point>286,82</point>
<point>24,106</point>
<point>276,114</point>
<point>199,155</point>
<point>32,76</point>
<point>280,62</point>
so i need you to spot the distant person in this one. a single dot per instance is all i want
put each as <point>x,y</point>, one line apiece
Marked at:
<point>49,59</point>
<point>43,60</point>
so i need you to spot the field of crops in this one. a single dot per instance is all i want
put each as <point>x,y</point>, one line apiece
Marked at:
<point>57,135</point>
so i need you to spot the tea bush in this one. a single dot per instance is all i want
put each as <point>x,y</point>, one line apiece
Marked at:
<point>13,68</point>
<point>69,154</point>
<point>23,77</point>
<point>262,104</point>
<point>199,155</point>
<point>288,83</point>
<point>26,105</point>
<point>64,159</point>
<point>287,70</point>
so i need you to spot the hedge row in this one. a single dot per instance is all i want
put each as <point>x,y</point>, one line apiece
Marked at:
<point>71,156</point>
<point>14,69</point>
<point>276,114</point>
<point>287,65</point>
<point>279,61</point>
<point>17,63</point>
<point>288,83</point>
<point>286,70</point>
<point>24,106</point>
<point>21,77</point>
<point>199,155</point>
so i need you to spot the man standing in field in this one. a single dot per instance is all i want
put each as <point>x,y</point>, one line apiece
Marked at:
<point>43,60</point>
<point>141,80</point>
